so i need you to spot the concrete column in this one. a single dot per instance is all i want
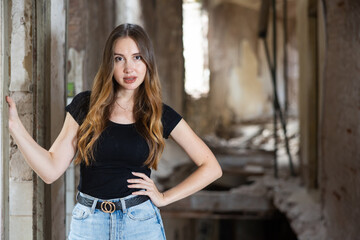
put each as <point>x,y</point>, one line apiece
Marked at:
<point>339,121</point>
<point>4,133</point>
<point>100,21</point>
<point>21,184</point>
<point>128,12</point>
<point>58,20</point>
<point>163,22</point>
<point>308,88</point>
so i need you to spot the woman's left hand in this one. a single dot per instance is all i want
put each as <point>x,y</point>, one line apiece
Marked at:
<point>144,182</point>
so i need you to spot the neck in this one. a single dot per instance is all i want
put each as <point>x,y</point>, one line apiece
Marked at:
<point>125,96</point>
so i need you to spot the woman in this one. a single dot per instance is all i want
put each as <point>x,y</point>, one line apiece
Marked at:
<point>118,131</point>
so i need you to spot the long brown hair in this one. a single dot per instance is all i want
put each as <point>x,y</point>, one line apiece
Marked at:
<point>147,106</point>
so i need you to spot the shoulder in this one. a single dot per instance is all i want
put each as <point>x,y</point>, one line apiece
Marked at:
<point>85,95</point>
<point>81,99</point>
<point>169,112</point>
<point>79,106</point>
<point>170,118</point>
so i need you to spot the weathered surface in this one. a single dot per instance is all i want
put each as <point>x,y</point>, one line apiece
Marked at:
<point>20,23</point>
<point>222,202</point>
<point>99,22</point>
<point>21,46</point>
<point>163,22</point>
<point>301,207</point>
<point>308,97</point>
<point>57,108</point>
<point>128,12</point>
<point>240,82</point>
<point>339,126</point>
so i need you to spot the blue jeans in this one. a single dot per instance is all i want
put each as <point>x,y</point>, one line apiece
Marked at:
<point>142,221</point>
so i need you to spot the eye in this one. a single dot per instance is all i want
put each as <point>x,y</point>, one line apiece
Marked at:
<point>138,57</point>
<point>117,59</point>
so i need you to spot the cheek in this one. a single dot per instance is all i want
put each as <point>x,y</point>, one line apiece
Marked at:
<point>143,69</point>
<point>118,71</point>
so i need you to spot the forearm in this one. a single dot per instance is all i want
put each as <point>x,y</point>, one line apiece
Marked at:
<point>196,181</point>
<point>39,159</point>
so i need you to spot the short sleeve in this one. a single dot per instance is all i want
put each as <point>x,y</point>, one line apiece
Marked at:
<point>79,106</point>
<point>170,118</point>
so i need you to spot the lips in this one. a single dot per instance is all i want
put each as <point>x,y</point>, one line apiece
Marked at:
<point>130,79</point>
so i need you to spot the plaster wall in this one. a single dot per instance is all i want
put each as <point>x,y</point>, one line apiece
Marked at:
<point>339,123</point>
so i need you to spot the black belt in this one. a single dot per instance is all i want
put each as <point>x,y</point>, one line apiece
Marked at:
<point>110,207</point>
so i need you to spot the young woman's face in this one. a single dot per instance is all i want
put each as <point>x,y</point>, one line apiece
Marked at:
<point>129,67</point>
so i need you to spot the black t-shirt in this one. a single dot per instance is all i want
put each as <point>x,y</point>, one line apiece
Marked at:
<point>120,149</point>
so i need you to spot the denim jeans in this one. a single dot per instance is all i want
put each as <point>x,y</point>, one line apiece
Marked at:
<point>139,222</point>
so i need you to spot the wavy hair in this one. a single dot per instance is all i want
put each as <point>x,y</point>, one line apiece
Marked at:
<point>147,99</point>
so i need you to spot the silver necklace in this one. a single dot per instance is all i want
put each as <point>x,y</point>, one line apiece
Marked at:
<point>125,109</point>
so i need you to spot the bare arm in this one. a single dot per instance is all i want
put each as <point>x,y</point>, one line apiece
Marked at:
<point>208,169</point>
<point>49,165</point>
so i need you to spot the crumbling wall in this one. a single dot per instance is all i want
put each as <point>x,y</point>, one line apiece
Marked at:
<point>339,120</point>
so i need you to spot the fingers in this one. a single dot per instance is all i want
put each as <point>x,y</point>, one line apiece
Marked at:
<point>140,183</point>
<point>10,101</point>
<point>140,193</point>
<point>142,175</point>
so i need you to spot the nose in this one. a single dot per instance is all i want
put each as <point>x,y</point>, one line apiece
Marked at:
<point>129,66</point>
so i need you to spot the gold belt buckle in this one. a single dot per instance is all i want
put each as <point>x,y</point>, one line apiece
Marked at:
<point>108,207</point>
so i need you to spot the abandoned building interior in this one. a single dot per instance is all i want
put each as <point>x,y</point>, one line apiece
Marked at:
<point>272,87</point>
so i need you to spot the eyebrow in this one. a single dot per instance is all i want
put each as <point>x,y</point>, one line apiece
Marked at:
<point>123,55</point>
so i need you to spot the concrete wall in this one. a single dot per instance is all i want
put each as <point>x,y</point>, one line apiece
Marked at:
<point>339,122</point>
<point>240,81</point>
